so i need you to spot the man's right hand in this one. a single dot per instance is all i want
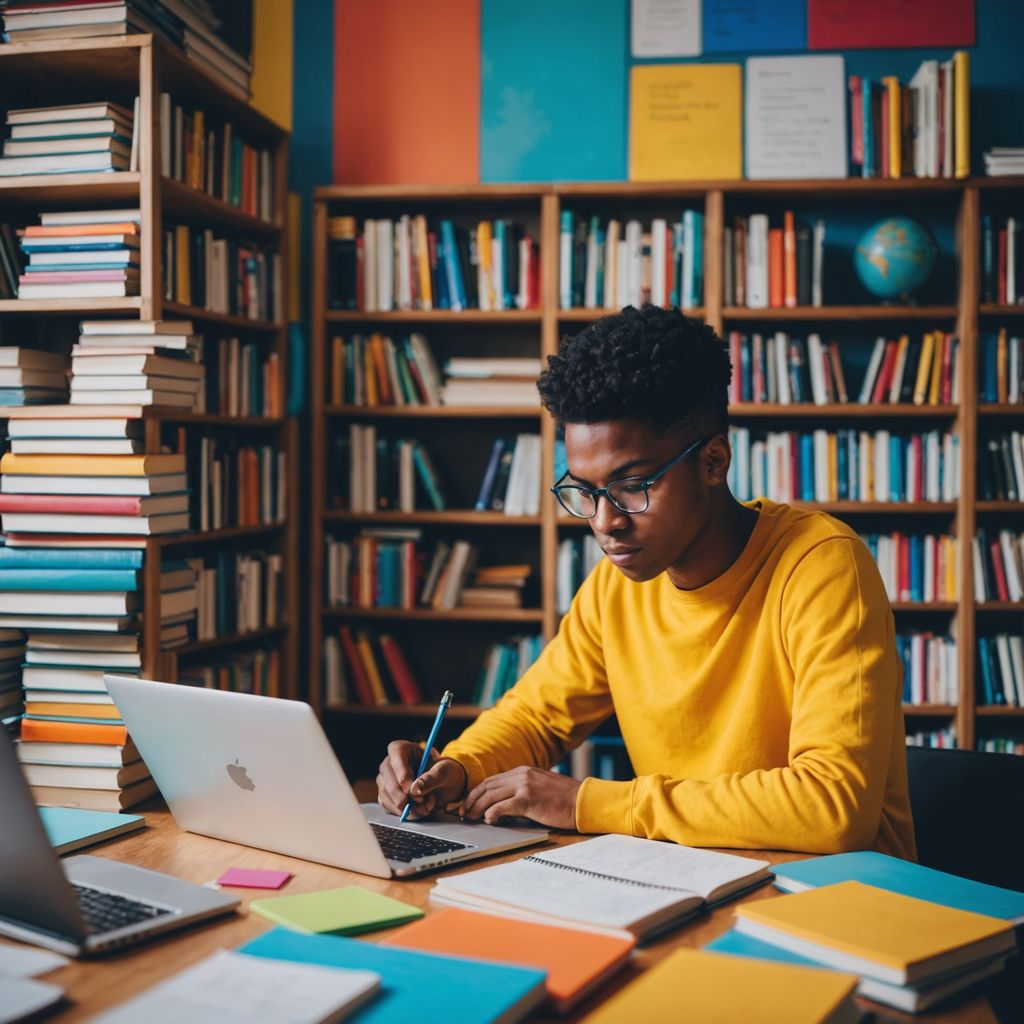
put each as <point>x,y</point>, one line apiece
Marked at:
<point>442,783</point>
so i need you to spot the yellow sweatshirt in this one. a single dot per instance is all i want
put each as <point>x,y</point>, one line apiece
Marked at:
<point>760,711</point>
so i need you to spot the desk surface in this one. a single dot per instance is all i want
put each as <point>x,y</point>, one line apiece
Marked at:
<point>93,985</point>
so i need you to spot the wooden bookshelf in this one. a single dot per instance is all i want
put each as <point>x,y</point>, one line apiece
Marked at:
<point>959,201</point>
<point>119,68</point>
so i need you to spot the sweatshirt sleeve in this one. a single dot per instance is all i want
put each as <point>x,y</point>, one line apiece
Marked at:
<point>558,701</point>
<point>836,628</point>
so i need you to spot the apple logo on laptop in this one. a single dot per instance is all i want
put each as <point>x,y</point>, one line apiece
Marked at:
<point>239,776</point>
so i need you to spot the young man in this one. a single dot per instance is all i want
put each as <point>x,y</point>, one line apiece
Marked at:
<point>747,649</point>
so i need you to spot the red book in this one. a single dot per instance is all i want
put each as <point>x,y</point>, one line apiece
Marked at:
<point>856,120</point>
<point>1001,268</point>
<point>946,380</point>
<point>405,682</point>
<point>789,259</point>
<point>998,570</point>
<point>739,234</point>
<point>85,504</point>
<point>356,668</point>
<point>775,271</point>
<point>759,391</point>
<point>885,372</point>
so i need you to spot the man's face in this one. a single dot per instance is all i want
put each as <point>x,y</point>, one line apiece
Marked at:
<point>646,544</point>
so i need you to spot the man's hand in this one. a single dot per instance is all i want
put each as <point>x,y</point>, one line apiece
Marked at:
<point>441,784</point>
<point>546,797</point>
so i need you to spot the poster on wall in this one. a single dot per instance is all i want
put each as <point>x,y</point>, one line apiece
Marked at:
<point>666,28</point>
<point>883,24</point>
<point>754,26</point>
<point>795,117</point>
<point>685,122</point>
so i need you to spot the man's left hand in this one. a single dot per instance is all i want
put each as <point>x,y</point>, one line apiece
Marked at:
<point>546,797</point>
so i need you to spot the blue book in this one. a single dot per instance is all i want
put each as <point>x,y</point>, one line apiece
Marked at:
<point>746,376</point>
<point>566,227</point>
<point>69,558</point>
<point>30,246</point>
<point>902,876</point>
<point>916,568</point>
<point>442,299</point>
<point>897,487</point>
<point>425,471</point>
<point>414,986</point>
<point>452,269</point>
<point>698,258</point>
<point>868,167</point>
<point>483,499</point>
<point>71,828</point>
<point>842,466</point>
<point>806,467</point>
<point>389,568</point>
<point>68,579</point>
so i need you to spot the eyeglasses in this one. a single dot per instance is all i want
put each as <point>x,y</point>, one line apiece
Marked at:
<point>628,494</point>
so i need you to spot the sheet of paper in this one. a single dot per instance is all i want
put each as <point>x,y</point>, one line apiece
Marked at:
<point>21,962</point>
<point>21,998</point>
<point>685,122</point>
<point>872,24</point>
<point>252,878</point>
<point>796,117</point>
<point>232,988</point>
<point>666,28</point>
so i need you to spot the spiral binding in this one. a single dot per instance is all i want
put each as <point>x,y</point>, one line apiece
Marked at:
<point>608,878</point>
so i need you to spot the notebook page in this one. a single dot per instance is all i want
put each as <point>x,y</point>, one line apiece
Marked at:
<point>656,863</point>
<point>232,988</point>
<point>568,895</point>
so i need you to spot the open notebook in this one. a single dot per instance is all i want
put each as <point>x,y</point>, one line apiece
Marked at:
<point>612,882</point>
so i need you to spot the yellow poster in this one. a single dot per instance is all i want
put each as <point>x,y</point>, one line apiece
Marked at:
<point>686,122</point>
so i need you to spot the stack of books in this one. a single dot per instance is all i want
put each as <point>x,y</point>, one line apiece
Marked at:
<point>1001,676</point>
<point>69,140</point>
<point>128,362</point>
<point>500,380</point>
<point>921,129</point>
<point>925,371</point>
<point>765,266</point>
<point>504,666</point>
<point>1004,161</point>
<point>1002,368</point>
<point>12,652</point>
<point>998,566</point>
<point>1001,467</point>
<point>383,474</point>
<point>496,586</point>
<point>240,593</point>
<point>916,567</point>
<point>609,266</point>
<point>362,667</point>
<point>511,480</point>
<point>376,370</point>
<point>930,671</point>
<point>81,254</point>
<point>31,377</point>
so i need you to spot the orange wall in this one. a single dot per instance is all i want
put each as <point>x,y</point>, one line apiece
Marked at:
<point>407,91</point>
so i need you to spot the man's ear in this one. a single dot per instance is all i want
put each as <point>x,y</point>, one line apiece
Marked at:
<point>715,459</point>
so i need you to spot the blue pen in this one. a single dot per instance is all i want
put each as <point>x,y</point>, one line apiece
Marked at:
<point>442,710</point>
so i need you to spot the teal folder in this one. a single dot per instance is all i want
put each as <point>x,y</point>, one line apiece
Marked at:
<point>71,828</point>
<point>415,986</point>
<point>901,876</point>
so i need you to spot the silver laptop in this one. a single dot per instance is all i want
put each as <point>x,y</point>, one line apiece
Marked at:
<point>83,904</point>
<point>260,771</point>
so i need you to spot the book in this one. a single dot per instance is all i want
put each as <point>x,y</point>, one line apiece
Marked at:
<point>904,877</point>
<point>717,988</point>
<point>467,991</point>
<point>92,799</point>
<point>878,934</point>
<point>576,962</point>
<point>350,910</point>
<point>160,483</point>
<point>98,465</point>
<point>616,882</point>
<point>97,754</point>
<point>246,988</point>
<point>72,828</point>
<point>89,777</point>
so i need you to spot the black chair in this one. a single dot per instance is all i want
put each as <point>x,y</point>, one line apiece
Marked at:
<point>969,813</point>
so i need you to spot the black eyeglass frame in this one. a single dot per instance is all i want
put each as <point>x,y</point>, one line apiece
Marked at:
<point>596,493</point>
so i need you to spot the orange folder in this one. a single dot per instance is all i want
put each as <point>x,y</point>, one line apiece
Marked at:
<point>577,961</point>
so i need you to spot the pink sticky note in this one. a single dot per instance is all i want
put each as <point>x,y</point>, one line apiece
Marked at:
<point>250,878</point>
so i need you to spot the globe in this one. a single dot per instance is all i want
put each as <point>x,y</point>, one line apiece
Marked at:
<point>895,257</point>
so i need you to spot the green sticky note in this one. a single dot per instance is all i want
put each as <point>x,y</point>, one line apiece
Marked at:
<point>346,911</point>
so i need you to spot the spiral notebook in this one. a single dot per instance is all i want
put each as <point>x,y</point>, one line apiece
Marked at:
<point>618,883</point>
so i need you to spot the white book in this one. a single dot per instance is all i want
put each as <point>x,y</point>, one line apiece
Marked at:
<point>871,373</point>
<point>69,112</point>
<point>881,467</point>
<point>1013,579</point>
<point>1006,669</point>
<point>385,264</point>
<point>622,274</point>
<point>115,383</point>
<point>30,602</point>
<point>980,590</point>
<point>73,623</point>
<point>659,245</point>
<point>785,396</point>
<point>143,396</point>
<point>103,659</point>
<point>130,485</point>
<point>897,372</point>
<point>514,493</point>
<point>65,218</point>
<point>948,119</point>
<point>818,263</point>
<point>686,272</point>
<point>757,261</point>
<point>229,988</point>
<point>146,526</point>
<point>565,246</point>
<point>76,446</point>
<point>611,255</point>
<point>1016,645</point>
<point>816,356</point>
<point>821,477</point>
<point>404,264</point>
<point>590,280</point>
<point>79,290</point>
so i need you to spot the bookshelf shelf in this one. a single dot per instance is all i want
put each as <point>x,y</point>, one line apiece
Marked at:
<point>999,506</point>
<point>1001,409</point>
<point>925,710</point>
<point>434,412</point>
<point>131,304</point>
<point>216,536</point>
<point>521,615</point>
<point>435,316</point>
<point>230,640</point>
<point>849,411</point>
<point>998,711</point>
<point>997,309</point>
<point>460,517</point>
<point>999,606</point>
<point>935,607</point>
<point>180,199</point>
<point>214,419</point>
<point>586,316</point>
<point>242,323</point>
<point>896,508</point>
<point>804,314</point>
<point>456,711</point>
<point>44,189</point>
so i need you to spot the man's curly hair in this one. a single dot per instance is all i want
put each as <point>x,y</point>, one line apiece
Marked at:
<point>653,365</point>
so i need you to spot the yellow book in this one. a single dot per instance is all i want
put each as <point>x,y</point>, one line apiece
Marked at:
<point>962,113</point>
<point>1002,368</point>
<point>423,261</point>
<point>195,171</point>
<point>924,368</point>
<point>892,98</point>
<point>54,709</point>
<point>372,671</point>
<point>182,265</point>
<point>92,465</point>
<point>949,555</point>
<point>875,933</point>
<point>934,391</point>
<point>686,122</point>
<point>716,988</point>
<point>372,396</point>
<point>485,283</point>
<point>337,371</point>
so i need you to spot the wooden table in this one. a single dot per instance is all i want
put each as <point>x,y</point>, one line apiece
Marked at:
<point>94,985</point>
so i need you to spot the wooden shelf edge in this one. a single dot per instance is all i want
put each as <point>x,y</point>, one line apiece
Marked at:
<point>230,640</point>
<point>514,615</point>
<point>215,536</point>
<point>438,412</point>
<point>201,203</point>
<point>845,410</point>
<point>243,323</point>
<point>462,517</point>
<point>929,709</point>
<point>864,312</point>
<point>440,316</point>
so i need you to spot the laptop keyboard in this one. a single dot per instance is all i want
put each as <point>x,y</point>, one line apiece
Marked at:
<point>404,845</point>
<point>106,911</point>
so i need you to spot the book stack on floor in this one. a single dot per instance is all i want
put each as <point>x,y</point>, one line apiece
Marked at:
<point>83,137</point>
<point>12,652</point>
<point>502,380</point>
<point>914,935</point>
<point>81,254</point>
<point>131,362</point>
<point>363,667</point>
<point>31,377</point>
